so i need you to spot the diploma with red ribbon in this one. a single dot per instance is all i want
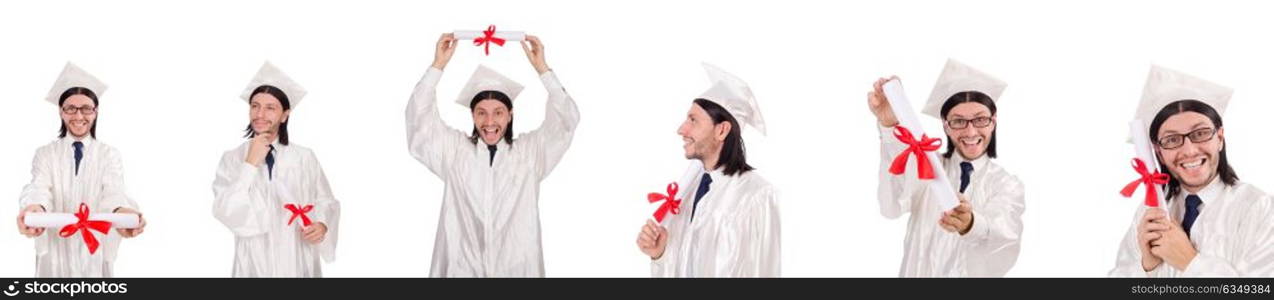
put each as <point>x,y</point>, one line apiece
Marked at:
<point>299,212</point>
<point>82,222</point>
<point>915,147</point>
<point>673,194</point>
<point>1151,180</point>
<point>490,36</point>
<point>1146,166</point>
<point>928,167</point>
<point>672,204</point>
<point>83,225</point>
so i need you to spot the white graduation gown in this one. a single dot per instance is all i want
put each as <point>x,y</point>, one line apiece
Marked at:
<point>1233,235</point>
<point>489,225</point>
<point>251,205</point>
<point>734,233</point>
<point>991,246</point>
<point>55,185</point>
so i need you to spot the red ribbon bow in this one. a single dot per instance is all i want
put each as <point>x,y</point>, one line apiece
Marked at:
<point>1147,178</point>
<point>83,225</point>
<point>487,38</point>
<point>299,212</point>
<point>916,147</point>
<point>671,204</point>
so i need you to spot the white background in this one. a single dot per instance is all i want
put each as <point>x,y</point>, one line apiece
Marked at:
<point>1075,72</point>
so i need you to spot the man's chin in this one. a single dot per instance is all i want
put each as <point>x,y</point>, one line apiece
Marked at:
<point>975,155</point>
<point>1194,181</point>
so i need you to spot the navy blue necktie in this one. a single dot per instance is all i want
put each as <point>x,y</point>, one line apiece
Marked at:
<point>1192,212</point>
<point>492,149</point>
<point>966,169</point>
<point>703,189</point>
<point>79,154</point>
<point>269,162</point>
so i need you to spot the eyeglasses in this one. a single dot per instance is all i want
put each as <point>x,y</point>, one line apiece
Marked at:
<point>84,110</point>
<point>1174,141</point>
<point>979,122</point>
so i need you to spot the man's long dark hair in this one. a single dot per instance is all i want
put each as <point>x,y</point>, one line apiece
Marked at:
<point>283,100</point>
<point>92,130</point>
<point>733,156</point>
<point>1189,105</point>
<point>497,96</point>
<point>965,97</point>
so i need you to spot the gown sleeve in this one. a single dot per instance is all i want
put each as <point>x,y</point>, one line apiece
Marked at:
<point>666,265</point>
<point>40,191</point>
<point>897,194</point>
<point>113,191</point>
<point>759,251</point>
<point>1252,246</point>
<point>237,203</point>
<point>996,234</point>
<point>429,140</point>
<point>1128,261</point>
<point>112,197</point>
<point>554,136</point>
<point>327,209</point>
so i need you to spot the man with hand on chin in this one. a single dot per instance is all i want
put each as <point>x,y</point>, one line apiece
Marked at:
<point>271,193</point>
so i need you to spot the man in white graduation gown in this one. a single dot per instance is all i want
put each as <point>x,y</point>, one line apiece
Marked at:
<point>489,225</point>
<point>729,222</point>
<point>272,194</point>
<point>1214,225</point>
<point>980,237</point>
<point>76,168</point>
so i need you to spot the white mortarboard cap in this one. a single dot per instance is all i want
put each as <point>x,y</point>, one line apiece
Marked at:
<point>735,96</point>
<point>957,77</point>
<point>272,76</point>
<point>72,76</point>
<point>487,79</point>
<point>1165,86</point>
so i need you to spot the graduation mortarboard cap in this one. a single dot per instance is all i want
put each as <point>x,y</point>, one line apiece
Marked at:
<point>735,96</point>
<point>957,77</point>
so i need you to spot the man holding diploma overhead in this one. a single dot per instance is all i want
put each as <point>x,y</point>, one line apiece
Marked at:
<point>979,234</point>
<point>729,222</point>
<point>489,225</point>
<point>271,193</point>
<point>76,174</point>
<point>1212,225</point>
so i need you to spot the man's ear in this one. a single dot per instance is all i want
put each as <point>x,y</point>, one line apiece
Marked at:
<point>1220,134</point>
<point>286,114</point>
<point>723,130</point>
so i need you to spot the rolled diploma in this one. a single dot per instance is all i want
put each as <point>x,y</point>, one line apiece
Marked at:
<point>506,35</point>
<point>1145,151</point>
<point>58,220</point>
<point>940,189</point>
<point>692,171</point>
<point>286,196</point>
